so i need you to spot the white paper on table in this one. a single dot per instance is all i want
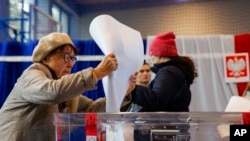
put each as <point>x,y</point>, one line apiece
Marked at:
<point>127,44</point>
<point>235,104</point>
<point>238,104</point>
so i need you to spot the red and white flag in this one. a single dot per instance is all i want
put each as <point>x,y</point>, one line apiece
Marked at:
<point>236,67</point>
<point>242,44</point>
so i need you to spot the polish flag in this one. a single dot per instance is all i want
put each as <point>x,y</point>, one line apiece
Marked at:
<point>242,44</point>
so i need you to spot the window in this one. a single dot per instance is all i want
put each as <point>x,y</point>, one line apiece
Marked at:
<point>18,19</point>
<point>61,16</point>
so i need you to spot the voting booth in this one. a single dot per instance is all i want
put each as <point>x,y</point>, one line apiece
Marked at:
<point>157,126</point>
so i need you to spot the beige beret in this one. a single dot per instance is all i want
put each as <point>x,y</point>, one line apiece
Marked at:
<point>48,43</point>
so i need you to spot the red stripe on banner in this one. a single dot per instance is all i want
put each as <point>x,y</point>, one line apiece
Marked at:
<point>58,127</point>
<point>101,136</point>
<point>246,118</point>
<point>242,44</point>
<point>91,124</point>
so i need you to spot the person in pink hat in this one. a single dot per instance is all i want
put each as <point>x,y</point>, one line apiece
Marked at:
<point>170,89</point>
<point>47,86</point>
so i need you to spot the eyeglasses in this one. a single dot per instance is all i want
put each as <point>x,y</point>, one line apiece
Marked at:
<point>68,58</point>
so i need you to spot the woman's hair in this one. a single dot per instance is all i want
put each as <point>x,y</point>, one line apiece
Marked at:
<point>188,65</point>
<point>145,63</point>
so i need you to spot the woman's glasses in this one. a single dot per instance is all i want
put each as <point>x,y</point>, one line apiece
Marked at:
<point>68,58</point>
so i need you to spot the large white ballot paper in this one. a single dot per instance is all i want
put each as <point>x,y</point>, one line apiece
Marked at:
<point>127,44</point>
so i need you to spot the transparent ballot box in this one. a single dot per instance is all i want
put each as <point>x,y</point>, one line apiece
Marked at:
<point>157,126</point>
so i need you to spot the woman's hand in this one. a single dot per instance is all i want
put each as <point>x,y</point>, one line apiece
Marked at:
<point>132,83</point>
<point>107,65</point>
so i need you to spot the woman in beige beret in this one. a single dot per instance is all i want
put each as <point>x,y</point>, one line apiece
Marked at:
<point>47,86</point>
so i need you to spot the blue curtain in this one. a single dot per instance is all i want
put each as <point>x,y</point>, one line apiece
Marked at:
<point>10,71</point>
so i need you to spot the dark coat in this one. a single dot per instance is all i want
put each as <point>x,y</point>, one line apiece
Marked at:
<point>168,91</point>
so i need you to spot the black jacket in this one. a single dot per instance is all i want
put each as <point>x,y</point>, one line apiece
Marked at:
<point>169,90</point>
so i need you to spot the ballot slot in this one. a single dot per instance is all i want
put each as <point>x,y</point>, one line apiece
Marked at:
<point>169,133</point>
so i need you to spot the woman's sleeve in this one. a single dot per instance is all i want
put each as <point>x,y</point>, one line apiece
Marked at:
<point>36,87</point>
<point>88,105</point>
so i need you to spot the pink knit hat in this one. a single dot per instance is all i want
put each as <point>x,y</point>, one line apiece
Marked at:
<point>163,45</point>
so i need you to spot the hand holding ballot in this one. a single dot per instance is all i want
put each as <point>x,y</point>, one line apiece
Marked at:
<point>107,65</point>
<point>132,83</point>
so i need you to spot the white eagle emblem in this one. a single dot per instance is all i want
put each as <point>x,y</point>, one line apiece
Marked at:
<point>235,67</point>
